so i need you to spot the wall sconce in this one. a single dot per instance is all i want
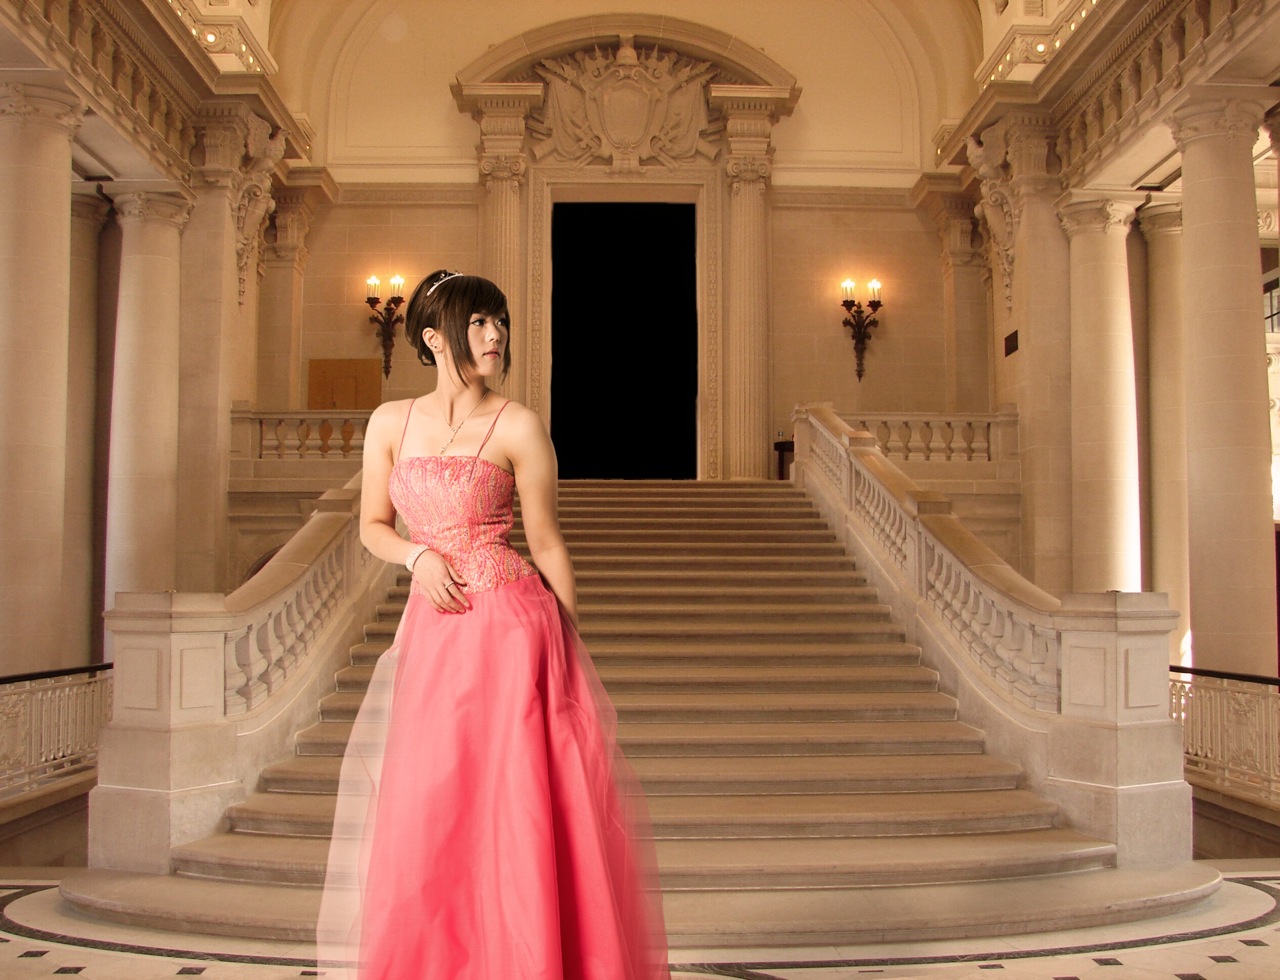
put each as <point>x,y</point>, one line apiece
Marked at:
<point>860,320</point>
<point>387,318</point>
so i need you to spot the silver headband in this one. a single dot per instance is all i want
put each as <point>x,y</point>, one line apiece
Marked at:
<point>436,284</point>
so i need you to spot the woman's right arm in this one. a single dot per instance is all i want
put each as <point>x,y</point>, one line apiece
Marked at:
<point>378,515</point>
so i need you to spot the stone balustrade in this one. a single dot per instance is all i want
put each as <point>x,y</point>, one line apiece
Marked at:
<point>217,685</point>
<point>1074,687</point>
<point>309,435</point>
<point>988,438</point>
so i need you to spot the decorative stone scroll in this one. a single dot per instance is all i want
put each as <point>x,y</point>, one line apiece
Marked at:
<point>624,108</point>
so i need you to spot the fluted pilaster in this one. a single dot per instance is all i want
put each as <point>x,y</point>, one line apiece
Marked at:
<point>1231,546</point>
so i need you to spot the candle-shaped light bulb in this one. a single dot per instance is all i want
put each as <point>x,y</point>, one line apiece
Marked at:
<point>373,283</point>
<point>397,286</point>
<point>846,290</point>
<point>874,287</point>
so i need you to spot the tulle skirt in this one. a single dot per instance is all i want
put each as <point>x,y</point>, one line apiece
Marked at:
<point>486,825</point>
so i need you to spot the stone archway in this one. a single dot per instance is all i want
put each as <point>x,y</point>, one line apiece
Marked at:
<point>638,108</point>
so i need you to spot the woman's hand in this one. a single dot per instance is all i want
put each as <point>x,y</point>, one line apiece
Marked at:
<point>441,583</point>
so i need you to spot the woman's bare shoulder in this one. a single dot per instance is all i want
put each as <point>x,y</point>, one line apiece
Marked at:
<point>387,420</point>
<point>519,418</point>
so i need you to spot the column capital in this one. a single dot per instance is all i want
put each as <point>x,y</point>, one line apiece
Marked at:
<point>1084,212</point>
<point>139,207</point>
<point>1231,111</point>
<point>91,208</point>
<point>40,104</point>
<point>748,169</point>
<point>1272,122</point>
<point>953,212</point>
<point>503,166</point>
<point>1160,218</point>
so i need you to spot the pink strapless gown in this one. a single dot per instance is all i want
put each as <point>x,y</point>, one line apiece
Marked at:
<point>487,826</point>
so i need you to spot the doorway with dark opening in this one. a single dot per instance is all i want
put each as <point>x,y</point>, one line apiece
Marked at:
<point>624,341</point>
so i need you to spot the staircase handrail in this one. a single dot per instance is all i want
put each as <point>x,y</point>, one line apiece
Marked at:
<point>1068,685</point>
<point>219,684</point>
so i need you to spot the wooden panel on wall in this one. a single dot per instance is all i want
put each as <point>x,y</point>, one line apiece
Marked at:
<point>354,382</point>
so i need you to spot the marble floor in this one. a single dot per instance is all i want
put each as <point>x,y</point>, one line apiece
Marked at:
<point>1235,935</point>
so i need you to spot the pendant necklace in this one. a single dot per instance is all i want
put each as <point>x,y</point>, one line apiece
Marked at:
<point>453,429</point>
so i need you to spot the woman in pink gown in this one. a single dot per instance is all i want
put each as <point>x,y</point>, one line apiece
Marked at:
<point>487,828</point>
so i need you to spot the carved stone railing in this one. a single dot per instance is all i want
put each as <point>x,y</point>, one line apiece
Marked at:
<point>49,725</point>
<point>986,438</point>
<point>299,435</point>
<point>1230,734</point>
<point>1073,687</point>
<point>216,685</point>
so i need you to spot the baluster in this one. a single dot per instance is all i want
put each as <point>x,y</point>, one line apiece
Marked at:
<point>915,441</point>
<point>346,432</point>
<point>291,442</point>
<point>357,437</point>
<point>237,679</point>
<point>939,440</point>
<point>893,444</point>
<point>309,433</point>
<point>266,638</point>
<point>324,437</point>
<point>980,443</point>
<point>272,438</point>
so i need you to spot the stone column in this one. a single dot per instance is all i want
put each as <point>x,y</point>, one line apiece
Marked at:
<point>83,622</point>
<point>964,292</point>
<point>502,111</point>
<point>280,299</point>
<point>209,324</point>
<point>1231,548</point>
<point>1106,517</point>
<point>142,480</point>
<point>749,114</point>
<point>37,125</point>
<point>1032,272</point>
<point>1161,225</point>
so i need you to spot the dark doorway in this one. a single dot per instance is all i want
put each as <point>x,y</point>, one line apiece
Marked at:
<point>624,341</point>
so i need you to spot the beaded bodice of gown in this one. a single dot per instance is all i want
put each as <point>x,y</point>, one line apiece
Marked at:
<point>461,507</point>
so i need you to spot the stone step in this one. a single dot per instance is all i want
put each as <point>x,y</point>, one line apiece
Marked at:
<point>694,534</point>
<point>739,546</point>
<point>721,519</point>
<point>691,637</point>
<point>704,918</point>
<point>718,864</point>
<point>744,574</point>
<point>600,613</point>
<point>736,815</point>
<point>786,739</point>
<point>771,565</point>
<point>800,651</point>
<point>683,676</point>
<point>684,816</point>
<point>678,707</point>
<point>852,861</point>
<point>591,593</point>
<point>708,775</point>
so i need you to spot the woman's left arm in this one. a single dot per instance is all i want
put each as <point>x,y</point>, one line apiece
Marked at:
<point>534,461</point>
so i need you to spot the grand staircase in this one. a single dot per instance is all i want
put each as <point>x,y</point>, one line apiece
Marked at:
<point>797,757</point>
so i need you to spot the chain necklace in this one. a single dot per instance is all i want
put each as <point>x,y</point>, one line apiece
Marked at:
<point>453,429</point>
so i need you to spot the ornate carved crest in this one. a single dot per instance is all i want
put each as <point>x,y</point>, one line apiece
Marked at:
<point>624,108</point>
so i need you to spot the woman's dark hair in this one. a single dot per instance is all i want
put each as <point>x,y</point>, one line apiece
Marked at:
<point>445,302</point>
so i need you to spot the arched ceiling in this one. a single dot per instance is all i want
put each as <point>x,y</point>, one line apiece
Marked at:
<point>879,77</point>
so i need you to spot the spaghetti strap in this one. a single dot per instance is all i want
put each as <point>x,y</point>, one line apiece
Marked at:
<point>407,416</point>
<point>485,440</point>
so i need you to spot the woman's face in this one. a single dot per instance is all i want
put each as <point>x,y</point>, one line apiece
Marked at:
<point>487,336</point>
